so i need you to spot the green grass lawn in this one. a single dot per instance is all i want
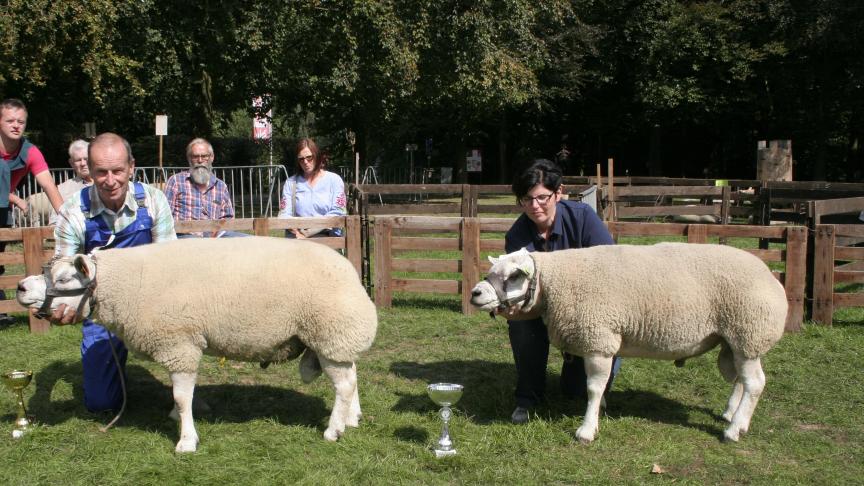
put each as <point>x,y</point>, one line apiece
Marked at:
<point>265,426</point>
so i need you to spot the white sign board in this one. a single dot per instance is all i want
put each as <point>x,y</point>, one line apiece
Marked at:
<point>474,161</point>
<point>161,124</point>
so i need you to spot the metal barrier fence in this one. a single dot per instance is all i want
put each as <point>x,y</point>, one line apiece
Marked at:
<point>255,190</point>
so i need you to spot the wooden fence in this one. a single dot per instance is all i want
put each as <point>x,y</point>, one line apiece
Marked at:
<point>37,246</point>
<point>835,263</point>
<point>465,240</point>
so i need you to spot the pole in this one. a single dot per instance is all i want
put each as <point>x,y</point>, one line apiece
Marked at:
<point>160,157</point>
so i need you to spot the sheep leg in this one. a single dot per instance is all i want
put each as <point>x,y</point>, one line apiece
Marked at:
<point>184,389</point>
<point>597,370</point>
<point>726,364</point>
<point>344,378</point>
<point>752,379</point>
<point>354,412</point>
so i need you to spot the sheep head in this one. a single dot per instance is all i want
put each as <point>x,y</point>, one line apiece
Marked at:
<point>65,281</point>
<point>510,286</point>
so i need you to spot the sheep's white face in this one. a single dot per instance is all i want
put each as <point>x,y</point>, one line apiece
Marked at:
<point>506,286</point>
<point>66,274</point>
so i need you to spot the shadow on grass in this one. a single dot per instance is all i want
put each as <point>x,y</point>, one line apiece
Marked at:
<point>414,435</point>
<point>427,302</point>
<point>149,401</point>
<point>488,396</point>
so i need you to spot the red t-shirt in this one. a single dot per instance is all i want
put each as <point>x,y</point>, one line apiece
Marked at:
<point>35,164</point>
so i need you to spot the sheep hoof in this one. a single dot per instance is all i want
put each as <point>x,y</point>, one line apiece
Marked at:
<point>332,435</point>
<point>584,435</point>
<point>731,434</point>
<point>186,445</point>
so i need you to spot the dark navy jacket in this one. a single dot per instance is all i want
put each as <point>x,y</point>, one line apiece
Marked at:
<point>576,226</point>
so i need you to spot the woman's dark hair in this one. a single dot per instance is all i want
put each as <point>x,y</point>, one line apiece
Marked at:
<point>313,147</point>
<point>541,171</point>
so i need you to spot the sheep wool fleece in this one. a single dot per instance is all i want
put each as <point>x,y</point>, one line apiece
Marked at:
<point>666,301</point>
<point>238,298</point>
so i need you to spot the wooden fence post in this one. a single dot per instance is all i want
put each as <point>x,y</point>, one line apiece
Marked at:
<point>383,230</point>
<point>697,233</point>
<point>470,261</point>
<point>33,260</point>
<point>796,275</point>
<point>352,243</point>
<point>469,201</point>
<point>261,227</point>
<point>725,204</point>
<point>823,274</point>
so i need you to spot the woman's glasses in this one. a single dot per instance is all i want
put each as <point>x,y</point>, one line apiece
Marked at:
<point>306,158</point>
<point>542,199</point>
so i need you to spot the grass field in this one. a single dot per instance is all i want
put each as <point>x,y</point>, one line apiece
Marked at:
<point>265,426</point>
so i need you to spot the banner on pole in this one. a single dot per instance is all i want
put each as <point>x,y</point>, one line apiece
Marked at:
<point>262,127</point>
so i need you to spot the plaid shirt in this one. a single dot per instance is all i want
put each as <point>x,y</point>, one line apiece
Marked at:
<point>188,202</point>
<point>70,228</point>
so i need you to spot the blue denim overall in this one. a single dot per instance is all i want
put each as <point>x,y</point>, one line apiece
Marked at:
<point>102,386</point>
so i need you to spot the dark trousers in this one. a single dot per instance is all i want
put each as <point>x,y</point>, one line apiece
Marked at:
<point>529,341</point>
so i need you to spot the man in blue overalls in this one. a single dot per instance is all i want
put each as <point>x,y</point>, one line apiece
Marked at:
<point>133,214</point>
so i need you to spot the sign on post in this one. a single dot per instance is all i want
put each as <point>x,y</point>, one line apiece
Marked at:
<point>161,131</point>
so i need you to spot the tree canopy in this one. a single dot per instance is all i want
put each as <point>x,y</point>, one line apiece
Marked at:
<point>667,87</point>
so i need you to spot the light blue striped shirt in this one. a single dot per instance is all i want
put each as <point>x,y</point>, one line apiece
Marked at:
<point>69,232</point>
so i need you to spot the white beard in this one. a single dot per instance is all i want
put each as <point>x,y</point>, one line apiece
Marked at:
<point>200,174</point>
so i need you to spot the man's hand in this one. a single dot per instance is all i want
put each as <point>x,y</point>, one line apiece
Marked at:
<point>62,315</point>
<point>299,234</point>
<point>21,203</point>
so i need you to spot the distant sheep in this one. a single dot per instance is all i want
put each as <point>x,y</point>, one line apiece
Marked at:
<point>668,301</point>
<point>248,299</point>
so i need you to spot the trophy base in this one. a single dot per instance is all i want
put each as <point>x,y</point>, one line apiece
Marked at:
<point>439,453</point>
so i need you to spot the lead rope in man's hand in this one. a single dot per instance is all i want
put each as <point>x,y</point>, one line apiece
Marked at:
<point>122,387</point>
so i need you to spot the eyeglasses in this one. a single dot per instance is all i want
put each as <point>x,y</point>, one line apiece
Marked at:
<point>201,156</point>
<point>306,158</point>
<point>542,199</point>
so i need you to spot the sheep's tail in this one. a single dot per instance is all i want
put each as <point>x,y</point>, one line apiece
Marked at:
<point>310,366</point>
<point>122,387</point>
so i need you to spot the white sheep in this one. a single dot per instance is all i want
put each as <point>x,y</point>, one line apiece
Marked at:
<point>246,299</point>
<point>667,301</point>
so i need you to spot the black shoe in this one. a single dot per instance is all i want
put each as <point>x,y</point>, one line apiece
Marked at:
<point>520,415</point>
<point>6,320</point>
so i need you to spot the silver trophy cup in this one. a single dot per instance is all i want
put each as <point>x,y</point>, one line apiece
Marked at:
<point>445,395</point>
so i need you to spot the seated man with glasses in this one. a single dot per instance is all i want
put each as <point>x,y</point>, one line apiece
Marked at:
<point>548,223</point>
<point>197,193</point>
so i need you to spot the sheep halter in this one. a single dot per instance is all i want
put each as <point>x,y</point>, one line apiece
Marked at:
<point>51,292</point>
<point>526,299</point>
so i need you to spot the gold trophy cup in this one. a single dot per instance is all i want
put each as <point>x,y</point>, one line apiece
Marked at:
<point>17,381</point>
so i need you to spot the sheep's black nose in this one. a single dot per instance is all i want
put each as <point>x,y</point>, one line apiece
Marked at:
<point>21,287</point>
<point>475,293</point>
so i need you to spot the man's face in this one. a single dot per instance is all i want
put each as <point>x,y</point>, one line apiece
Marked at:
<point>13,121</point>
<point>201,163</point>
<point>111,170</point>
<point>78,161</point>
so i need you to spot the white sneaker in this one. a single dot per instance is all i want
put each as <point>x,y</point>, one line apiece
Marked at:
<point>519,416</point>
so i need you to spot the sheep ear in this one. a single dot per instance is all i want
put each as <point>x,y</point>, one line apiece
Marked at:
<point>493,260</point>
<point>80,263</point>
